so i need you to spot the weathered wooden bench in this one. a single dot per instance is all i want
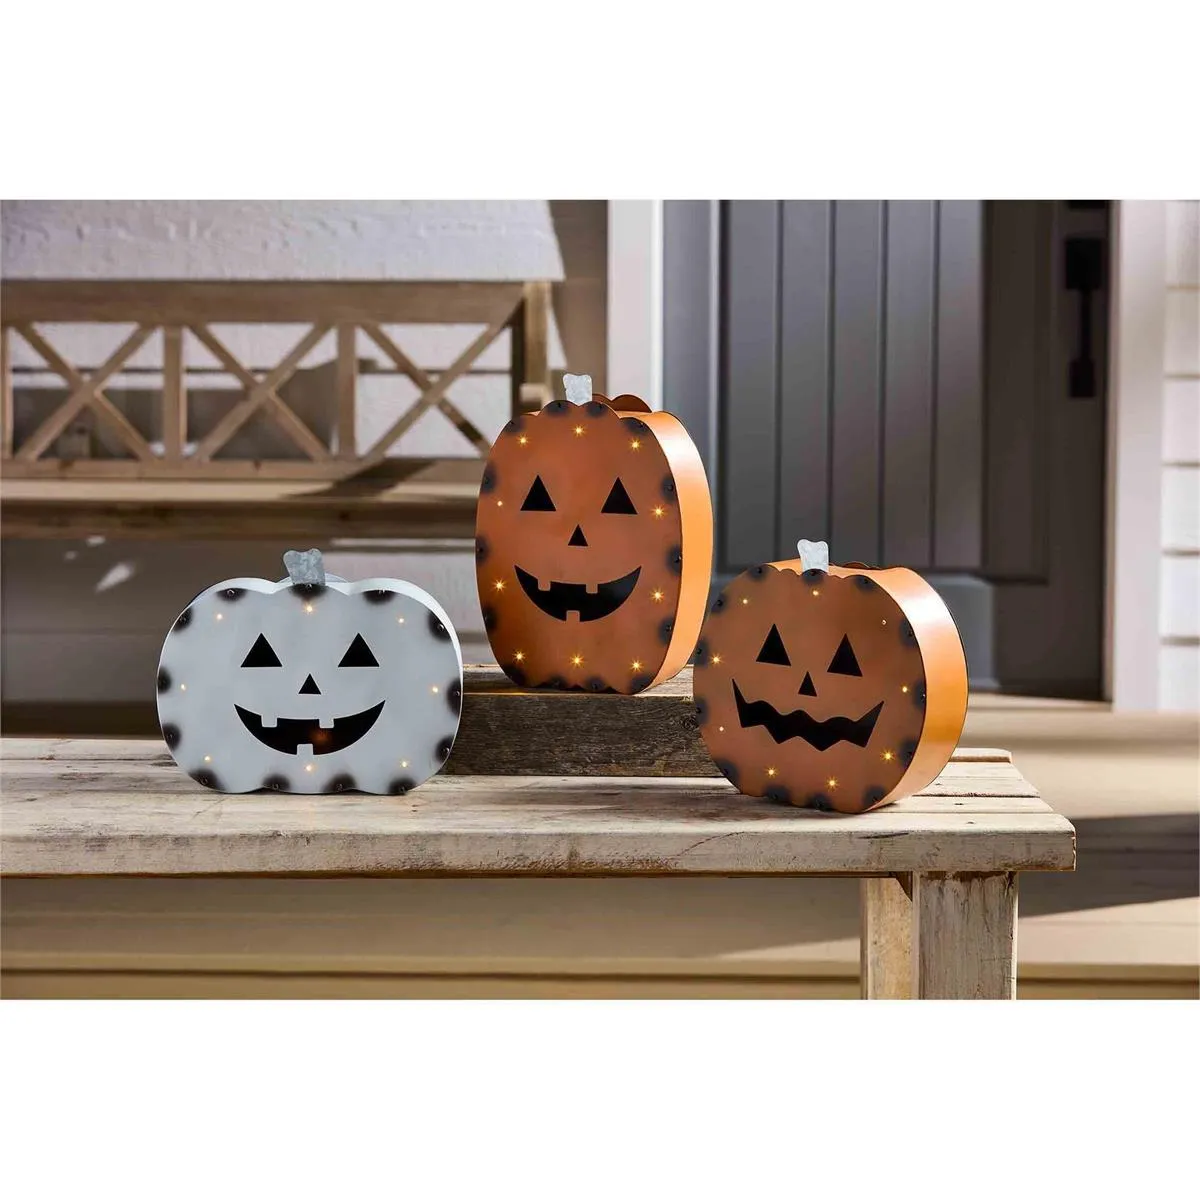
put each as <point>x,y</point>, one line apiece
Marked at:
<point>939,870</point>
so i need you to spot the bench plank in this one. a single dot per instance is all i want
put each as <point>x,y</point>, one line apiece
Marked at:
<point>80,814</point>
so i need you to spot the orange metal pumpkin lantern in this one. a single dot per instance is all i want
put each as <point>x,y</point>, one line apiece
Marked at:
<point>593,544</point>
<point>837,688</point>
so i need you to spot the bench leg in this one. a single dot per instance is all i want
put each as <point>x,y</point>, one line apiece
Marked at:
<point>887,938</point>
<point>966,934</point>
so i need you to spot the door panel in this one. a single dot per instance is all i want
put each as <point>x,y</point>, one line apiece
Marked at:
<point>895,377</point>
<point>958,442</point>
<point>1046,449</point>
<point>749,411</point>
<point>851,378</point>
<point>805,364</point>
<point>1020,372</point>
<point>911,360</point>
<point>857,379</point>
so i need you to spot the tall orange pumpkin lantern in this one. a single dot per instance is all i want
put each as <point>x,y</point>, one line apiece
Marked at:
<point>836,688</point>
<point>593,544</point>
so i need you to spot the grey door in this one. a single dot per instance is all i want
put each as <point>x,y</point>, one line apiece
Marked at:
<point>897,377</point>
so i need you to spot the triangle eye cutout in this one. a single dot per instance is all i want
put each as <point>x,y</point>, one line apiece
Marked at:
<point>261,655</point>
<point>359,654</point>
<point>618,501</point>
<point>538,499</point>
<point>773,650</point>
<point>844,662</point>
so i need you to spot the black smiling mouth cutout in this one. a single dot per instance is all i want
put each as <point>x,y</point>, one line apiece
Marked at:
<point>291,733</point>
<point>820,735</point>
<point>559,599</point>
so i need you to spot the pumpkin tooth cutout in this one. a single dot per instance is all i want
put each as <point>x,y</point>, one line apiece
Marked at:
<point>839,689</point>
<point>356,688</point>
<point>593,548</point>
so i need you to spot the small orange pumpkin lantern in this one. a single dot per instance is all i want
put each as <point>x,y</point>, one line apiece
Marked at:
<point>836,688</point>
<point>593,544</point>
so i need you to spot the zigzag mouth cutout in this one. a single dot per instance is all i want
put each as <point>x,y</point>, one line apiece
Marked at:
<point>820,735</point>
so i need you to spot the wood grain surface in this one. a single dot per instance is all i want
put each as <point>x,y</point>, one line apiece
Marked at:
<point>98,808</point>
<point>966,935</point>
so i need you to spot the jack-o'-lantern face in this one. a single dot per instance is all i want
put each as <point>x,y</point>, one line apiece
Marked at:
<point>311,687</point>
<point>593,547</point>
<point>815,687</point>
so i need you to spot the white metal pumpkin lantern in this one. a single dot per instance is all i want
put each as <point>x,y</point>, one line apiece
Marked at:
<point>311,684</point>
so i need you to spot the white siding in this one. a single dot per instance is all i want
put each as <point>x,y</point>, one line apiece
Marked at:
<point>1181,421</point>
<point>1179,614</point>
<point>1179,598</point>
<point>1183,242</point>
<point>1183,332</point>
<point>1179,677</point>
<point>1181,508</point>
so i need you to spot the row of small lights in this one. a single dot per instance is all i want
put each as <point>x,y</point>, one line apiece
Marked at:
<point>307,608</point>
<point>576,660</point>
<point>311,766</point>
<point>658,511</point>
<point>523,439</point>
<point>579,432</point>
<point>831,784</point>
<point>816,592</point>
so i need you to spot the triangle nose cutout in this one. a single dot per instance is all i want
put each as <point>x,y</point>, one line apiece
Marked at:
<point>577,538</point>
<point>807,688</point>
<point>309,687</point>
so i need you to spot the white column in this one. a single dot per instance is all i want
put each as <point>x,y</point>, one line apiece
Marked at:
<point>1135,454</point>
<point>635,268</point>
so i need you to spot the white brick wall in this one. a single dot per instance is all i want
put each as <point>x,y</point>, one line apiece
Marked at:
<point>1179,607</point>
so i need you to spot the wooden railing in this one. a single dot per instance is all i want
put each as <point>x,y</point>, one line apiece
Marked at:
<point>176,307</point>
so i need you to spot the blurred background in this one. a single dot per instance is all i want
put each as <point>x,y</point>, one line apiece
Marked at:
<point>1004,395</point>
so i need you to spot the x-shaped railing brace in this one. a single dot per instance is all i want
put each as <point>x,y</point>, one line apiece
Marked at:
<point>87,393</point>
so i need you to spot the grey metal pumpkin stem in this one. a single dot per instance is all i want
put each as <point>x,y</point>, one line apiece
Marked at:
<point>578,388</point>
<point>305,566</point>
<point>814,556</point>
